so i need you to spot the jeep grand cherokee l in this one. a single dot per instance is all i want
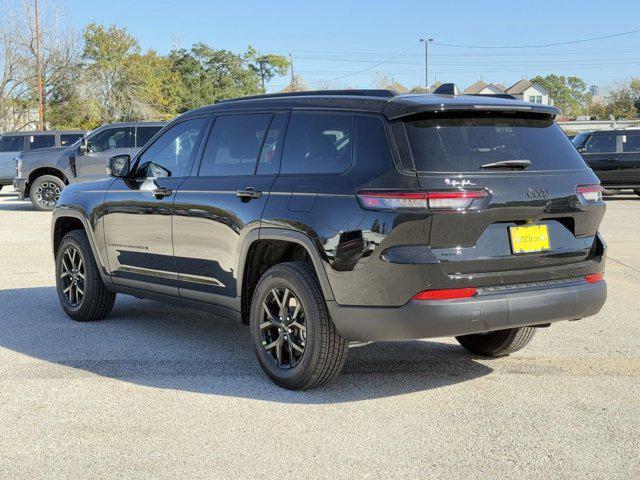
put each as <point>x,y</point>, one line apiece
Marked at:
<point>323,218</point>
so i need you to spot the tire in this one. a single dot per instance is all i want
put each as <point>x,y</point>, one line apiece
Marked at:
<point>498,343</point>
<point>324,349</point>
<point>636,191</point>
<point>610,192</point>
<point>96,301</point>
<point>45,191</point>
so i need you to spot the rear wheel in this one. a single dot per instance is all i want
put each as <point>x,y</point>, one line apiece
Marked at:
<point>44,192</point>
<point>498,343</point>
<point>81,291</point>
<point>294,339</point>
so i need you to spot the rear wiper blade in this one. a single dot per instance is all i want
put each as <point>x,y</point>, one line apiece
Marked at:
<point>508,164</point>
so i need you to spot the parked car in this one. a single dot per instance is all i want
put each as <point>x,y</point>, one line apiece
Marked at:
<point>42,175</point>
<point>14,143</point>
<point>614,155</point>
<point>325,218</point>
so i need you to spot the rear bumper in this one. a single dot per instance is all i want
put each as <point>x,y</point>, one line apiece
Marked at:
<point>20,184</point>
<point>484,313</point>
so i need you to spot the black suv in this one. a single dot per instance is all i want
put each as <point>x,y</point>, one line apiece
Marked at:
<point>332,217</point>
<point>614,155</point>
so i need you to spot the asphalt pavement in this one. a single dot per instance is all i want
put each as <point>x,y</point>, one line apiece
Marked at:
<point>157,391</point>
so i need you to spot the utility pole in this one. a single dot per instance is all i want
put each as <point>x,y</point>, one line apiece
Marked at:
<point>39,71</point>
<point>426,60</point>
<point>291,66</point>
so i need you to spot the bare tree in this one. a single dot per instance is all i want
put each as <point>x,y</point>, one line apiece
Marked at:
<point>60,62</point>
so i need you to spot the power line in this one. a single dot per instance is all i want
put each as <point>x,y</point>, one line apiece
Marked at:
<point>543,45</point>
<point>375,65</point>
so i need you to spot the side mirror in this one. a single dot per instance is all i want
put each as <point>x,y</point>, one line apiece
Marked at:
<point>119,166</point>
<point>84,146</point>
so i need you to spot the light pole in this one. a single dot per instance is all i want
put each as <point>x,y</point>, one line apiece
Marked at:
<point>426,42</point>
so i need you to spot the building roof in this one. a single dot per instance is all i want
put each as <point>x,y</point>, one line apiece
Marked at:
<point>519,87</point>
<point>397,87</point>
<point>476,88</point>
<point>500,86</point>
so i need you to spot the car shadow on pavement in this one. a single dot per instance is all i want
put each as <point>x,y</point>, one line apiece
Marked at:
<point>163,346</point>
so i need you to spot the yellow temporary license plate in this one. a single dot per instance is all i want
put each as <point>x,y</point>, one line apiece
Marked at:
<point>529,238</point>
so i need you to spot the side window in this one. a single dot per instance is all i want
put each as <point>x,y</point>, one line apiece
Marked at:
<point>372,144</point>
<point>318,143</point>
<point>11,143</point>
<point>41,141</point>
<point>144,134</point>
<point>171,153</point>
<point>631,143</point>
<point>602,144</point>
<point>269,162</point>
<point>234,144</point>
<point>69,138</point>
<point>111,138</point>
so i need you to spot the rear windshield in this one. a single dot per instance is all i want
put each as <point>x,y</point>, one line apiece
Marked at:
<point>464,143</point>
<point>580,138</point>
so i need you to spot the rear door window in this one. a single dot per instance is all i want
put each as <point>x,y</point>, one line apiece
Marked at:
<point>464,143</point>
<point>41,141</point>
<point>144,134</point>
<point>11,143</point>
<point>234,144</point>
<point>602,144</point>
<point>318,143</point>
<point>631,143</point>
<point>69,138</point>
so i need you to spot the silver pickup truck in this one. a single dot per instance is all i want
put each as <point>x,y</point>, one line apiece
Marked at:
<point>42,175</point>
<point>15,143</point>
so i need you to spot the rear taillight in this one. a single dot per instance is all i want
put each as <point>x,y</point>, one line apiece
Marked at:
<point>446,294</point>
<point>594,277</point>
<point>589,193</point>
<point>452,200</point>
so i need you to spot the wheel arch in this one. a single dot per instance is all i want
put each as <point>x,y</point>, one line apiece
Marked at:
<point>38,172</point>
<point>298,241</point>
<point>63,221</point>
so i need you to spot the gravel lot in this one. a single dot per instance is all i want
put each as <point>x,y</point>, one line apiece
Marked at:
<point>160,392</point>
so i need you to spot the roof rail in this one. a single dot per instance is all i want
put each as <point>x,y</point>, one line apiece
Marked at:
<point>313,93</point>
<point>495,95</point>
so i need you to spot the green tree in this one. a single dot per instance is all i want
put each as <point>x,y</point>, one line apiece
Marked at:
<point>209,75</point>
<point>621,103</point>
<point>266,66</point>
<point>568,93</point>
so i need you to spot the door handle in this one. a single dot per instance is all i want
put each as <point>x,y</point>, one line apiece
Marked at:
<point>162,192</point>
<point>248,193</point>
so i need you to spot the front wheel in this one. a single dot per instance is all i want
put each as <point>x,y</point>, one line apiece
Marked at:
<point>45,192</point>
<point>81,291</point>
<point>498,343</point>
<point>294,339</point>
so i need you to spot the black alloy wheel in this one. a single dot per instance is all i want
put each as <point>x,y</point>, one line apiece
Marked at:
<point>73,276</point>
<point>283,327</point>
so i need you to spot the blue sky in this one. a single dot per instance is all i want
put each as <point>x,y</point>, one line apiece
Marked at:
<point>332,40</point>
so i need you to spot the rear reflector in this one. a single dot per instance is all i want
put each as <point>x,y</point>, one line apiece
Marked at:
<point>455,200</point>
<point>447,294</point>
<point>589,193</point>
<point>594,277</point>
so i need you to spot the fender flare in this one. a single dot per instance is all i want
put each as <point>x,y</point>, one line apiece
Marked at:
<point>268,233</point>
<point>66,212</point>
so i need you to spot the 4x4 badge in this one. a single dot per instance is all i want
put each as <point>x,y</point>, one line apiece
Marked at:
<point>537,193</point>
